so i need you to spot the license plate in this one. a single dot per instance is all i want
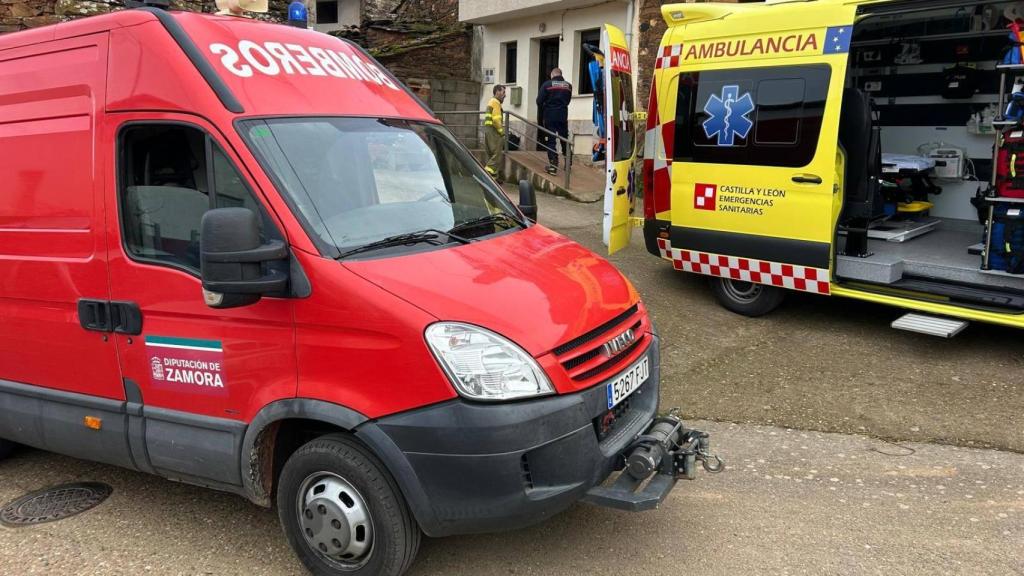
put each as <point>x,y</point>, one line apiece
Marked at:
<point>627,382</point>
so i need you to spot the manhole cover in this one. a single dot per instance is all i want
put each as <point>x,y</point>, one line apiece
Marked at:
<point>56,503</point>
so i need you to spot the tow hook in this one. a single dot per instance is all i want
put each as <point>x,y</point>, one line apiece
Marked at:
<point>668,451</point>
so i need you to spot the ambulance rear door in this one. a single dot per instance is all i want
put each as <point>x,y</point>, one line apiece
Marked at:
<point>755,135</point>
<point>620,189</point>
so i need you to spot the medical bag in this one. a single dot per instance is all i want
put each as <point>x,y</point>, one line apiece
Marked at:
<point>1007,247</point>
<point>1010,165</point>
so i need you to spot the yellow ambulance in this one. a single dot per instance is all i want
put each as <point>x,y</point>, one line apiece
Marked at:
<point>835,147</point>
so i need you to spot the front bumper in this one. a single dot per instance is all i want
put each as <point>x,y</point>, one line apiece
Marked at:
<point>467,467</point>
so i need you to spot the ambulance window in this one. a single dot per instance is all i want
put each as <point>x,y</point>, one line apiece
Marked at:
<point>779,106</point>
<point>754,116</point>
<point>622,99</point>
<point>165,190</point>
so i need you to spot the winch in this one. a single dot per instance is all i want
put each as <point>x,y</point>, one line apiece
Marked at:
<point>668,451</point>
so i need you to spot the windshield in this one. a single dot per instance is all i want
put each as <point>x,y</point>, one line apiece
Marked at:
<point>358,181</point>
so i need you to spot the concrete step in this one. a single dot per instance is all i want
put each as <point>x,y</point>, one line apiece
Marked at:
<point>586,182</point>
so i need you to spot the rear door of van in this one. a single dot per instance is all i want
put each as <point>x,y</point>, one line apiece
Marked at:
<point>58,363</point>
<point>754,143</point>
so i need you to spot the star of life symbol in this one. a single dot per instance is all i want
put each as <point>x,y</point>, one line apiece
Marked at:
<point>728,115</point>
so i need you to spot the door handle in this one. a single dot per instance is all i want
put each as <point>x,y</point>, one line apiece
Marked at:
<point>126,318</point>
<point>94,315</point>
<point>104,316</point>
<point>807,179</point>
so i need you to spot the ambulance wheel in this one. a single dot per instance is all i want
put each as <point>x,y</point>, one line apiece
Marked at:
<point>343,513</point>
<point>5,448</point>
<point>746,298</point>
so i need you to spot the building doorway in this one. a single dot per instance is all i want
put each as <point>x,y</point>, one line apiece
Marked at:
<point>547,59</point>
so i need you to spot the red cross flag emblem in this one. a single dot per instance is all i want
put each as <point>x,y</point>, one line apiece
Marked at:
<point>704,196</point>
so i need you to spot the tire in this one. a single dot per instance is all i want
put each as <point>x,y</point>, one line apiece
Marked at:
<point>5,448</point>
<point>747,298</point>
<point>376,531</point>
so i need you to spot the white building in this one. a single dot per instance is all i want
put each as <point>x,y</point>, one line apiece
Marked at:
<point>522,40</point>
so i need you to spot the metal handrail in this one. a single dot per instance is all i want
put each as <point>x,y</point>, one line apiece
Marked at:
<point>523,135</point>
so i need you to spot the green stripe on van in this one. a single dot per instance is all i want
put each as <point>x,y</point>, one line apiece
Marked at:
<point>174,341</point>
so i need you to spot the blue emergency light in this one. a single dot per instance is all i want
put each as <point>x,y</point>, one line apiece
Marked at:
<point>298,16</point>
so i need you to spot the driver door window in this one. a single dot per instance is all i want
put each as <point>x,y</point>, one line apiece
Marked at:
<point>167,175</point>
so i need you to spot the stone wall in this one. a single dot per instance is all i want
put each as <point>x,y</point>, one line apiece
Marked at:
<point>425,45</point>
<point>20,14</point>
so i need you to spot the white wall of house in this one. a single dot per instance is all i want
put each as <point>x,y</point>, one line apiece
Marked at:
<point>526,32</point>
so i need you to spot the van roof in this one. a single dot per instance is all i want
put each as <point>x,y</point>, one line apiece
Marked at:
<point>178,60</point>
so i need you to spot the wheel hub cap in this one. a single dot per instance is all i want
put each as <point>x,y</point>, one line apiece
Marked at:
<point>335,520</point>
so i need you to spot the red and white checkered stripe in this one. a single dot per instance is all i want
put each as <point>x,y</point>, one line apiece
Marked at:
<point>803,278</point>
<point>669,57</point>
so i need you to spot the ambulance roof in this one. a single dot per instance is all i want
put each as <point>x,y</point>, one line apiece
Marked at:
<point>681,14</point>
<point>192,62</point>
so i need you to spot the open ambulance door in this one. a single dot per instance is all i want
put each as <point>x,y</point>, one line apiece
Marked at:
<point>620,191</point>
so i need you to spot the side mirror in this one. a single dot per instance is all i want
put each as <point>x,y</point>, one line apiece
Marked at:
<point>232,258</point>
<point>528,200</point>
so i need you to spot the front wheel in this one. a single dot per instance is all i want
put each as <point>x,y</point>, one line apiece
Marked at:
<point>343,513</point>
<point>746,298</point>
<point>5,448</point>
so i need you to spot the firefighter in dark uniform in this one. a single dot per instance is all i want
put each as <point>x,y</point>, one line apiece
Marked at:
<point>553,102</point>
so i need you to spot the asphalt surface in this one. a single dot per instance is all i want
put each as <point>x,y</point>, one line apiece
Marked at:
<point>899,491</point>
<point>789,502</point>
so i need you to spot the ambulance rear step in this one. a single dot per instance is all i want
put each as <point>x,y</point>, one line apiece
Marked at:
<point>931,325</point>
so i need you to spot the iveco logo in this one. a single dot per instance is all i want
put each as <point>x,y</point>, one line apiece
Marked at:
<point>616,345</point>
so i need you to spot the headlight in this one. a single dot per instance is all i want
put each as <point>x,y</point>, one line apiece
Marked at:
<point>485,366</point>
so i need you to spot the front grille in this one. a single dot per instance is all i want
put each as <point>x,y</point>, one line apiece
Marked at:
<point>582,357</point>
<point>610,364</point>
<point>581,340</point>
<point>609,421</point>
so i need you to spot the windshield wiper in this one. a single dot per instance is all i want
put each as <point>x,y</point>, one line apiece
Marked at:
<point>427,235</point>
<point>485,220</point>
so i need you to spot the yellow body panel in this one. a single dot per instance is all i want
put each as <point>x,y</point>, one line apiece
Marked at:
<point>709,38</point>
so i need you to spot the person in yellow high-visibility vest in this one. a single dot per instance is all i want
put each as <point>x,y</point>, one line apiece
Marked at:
<point>494,134</point>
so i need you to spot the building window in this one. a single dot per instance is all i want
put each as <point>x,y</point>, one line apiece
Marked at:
<point>592,37</point>
<point>768,116</point>
<point>327,12</point>
<point>510,53</point>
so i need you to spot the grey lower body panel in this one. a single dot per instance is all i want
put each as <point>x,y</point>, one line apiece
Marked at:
<point>176,445</point>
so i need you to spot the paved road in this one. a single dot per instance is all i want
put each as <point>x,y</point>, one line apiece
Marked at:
<point>792,501</point>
